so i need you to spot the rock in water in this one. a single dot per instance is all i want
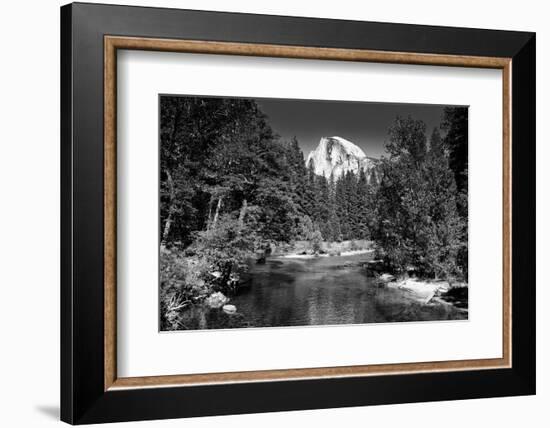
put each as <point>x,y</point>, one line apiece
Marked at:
<point>386,277</point>
<point>229,309</point>
<point>216,300</point>
<point>336,155</point>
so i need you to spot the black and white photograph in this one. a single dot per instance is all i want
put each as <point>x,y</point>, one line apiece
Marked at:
<point>288,212</point>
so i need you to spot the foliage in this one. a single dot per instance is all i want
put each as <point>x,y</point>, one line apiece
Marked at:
<point>418,223</point>
<point>455,124</point>
<point>217,153</point>
<point>407,140</point>
<point>305,229</point>
<point>183,281</point>
<point>226,246</point>
<point>316,240</point>
<point>230,188</point>
<point>214,153</point>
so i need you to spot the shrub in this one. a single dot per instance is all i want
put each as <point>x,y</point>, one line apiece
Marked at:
<point>316,240</point>
<point>226,247</point>
<point>182,283</point>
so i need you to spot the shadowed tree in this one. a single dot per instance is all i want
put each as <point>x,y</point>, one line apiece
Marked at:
<point>455,124</point>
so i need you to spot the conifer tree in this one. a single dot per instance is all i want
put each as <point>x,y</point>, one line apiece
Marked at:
<point>310,203</point>
<point>353,205</point>
<point>418,223</point>
<point>322,214</point>
<point>364,207</point>
<point>437,146</point>
<point>333,221</point>
<point>455,123</point>
<point>341,202</point>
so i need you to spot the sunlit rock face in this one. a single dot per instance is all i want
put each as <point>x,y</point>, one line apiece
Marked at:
<point>336,156</point>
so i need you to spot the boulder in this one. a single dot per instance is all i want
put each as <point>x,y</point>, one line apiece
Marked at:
<point>229,309</point>
<point>375,266</point>
<point>386,277</point>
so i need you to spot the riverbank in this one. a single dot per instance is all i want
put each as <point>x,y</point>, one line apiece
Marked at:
<point>345,286</point>
<point>288,291</point>
<point>341,254</point>
<point>432,291</point>
<point>307,249</point>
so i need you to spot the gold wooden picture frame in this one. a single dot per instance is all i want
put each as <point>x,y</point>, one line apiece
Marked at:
<point>114,43</point>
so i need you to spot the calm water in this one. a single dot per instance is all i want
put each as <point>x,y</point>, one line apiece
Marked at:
<point>316,291</point>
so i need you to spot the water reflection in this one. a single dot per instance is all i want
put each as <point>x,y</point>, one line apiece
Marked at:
<point>317,291</point>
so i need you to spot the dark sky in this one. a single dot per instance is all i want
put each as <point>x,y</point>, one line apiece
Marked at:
<point>365,124</point>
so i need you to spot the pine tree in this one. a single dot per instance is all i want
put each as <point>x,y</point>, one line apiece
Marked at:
<point>309,201</point>
<point>298,176</point>
<point>341,202</point>
<point>322,213</point>
<point>455,123</point>
<point>418,223</point>
<point>333,221</point>
<point>437,146</point>
<point>364,207</point>
<point>353,206</point>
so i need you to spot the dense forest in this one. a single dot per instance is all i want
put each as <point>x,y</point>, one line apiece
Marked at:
<point>230,189</point>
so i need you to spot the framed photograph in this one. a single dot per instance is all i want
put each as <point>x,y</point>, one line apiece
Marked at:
<point>266,213</point>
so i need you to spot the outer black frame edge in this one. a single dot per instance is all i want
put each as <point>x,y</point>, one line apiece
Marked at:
<point>82,397</point>
<point>66,306</point>
<point>524,213</point>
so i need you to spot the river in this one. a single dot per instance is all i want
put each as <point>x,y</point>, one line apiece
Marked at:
<point>288,291</point>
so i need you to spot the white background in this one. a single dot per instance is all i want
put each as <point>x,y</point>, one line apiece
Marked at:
<point>142,351</point>
<point>29,226</point>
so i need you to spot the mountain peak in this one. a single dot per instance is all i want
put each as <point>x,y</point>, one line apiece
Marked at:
<point>336,155</point>
<point>346,145</point>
